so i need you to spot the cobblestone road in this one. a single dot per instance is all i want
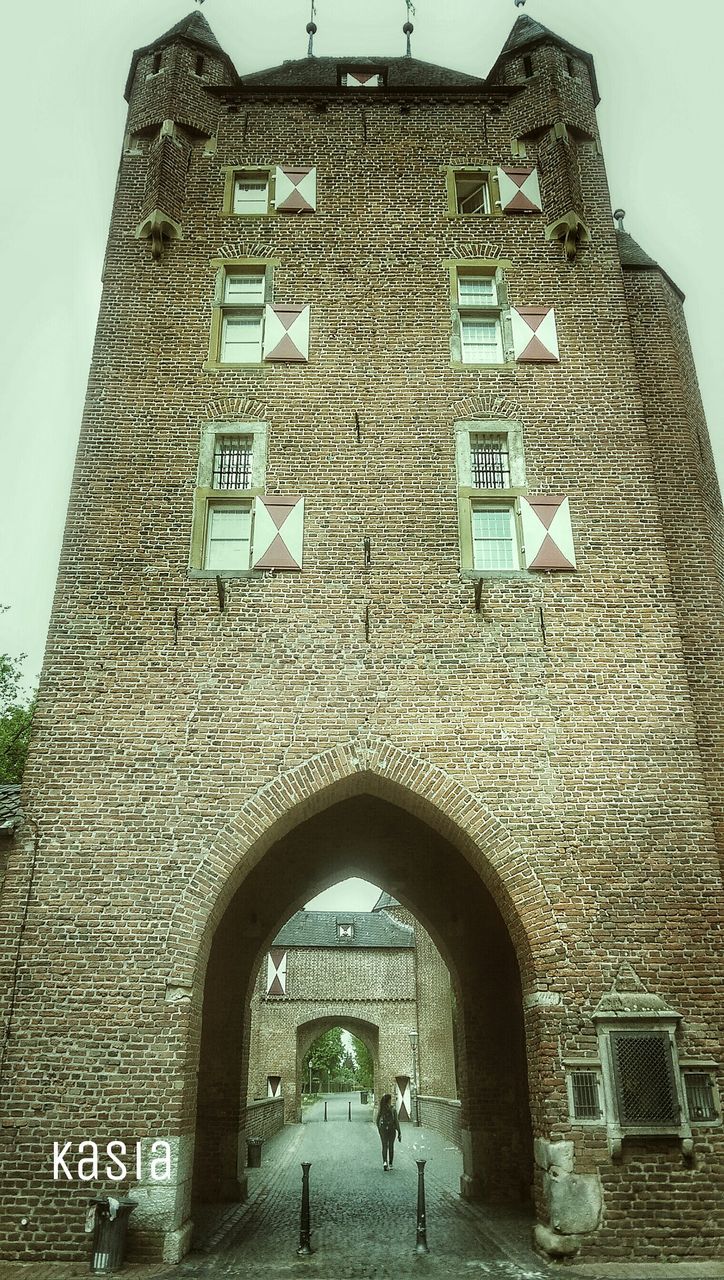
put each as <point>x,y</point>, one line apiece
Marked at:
<point>363,1219</point>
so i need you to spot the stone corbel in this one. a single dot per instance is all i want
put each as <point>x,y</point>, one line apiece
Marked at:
<point>157,227</point>
<point>572,232</point>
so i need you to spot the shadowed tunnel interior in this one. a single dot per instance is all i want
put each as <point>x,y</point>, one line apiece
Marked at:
<point>370,837</point>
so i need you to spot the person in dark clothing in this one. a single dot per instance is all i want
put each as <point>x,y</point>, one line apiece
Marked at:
<point>388,1126</point>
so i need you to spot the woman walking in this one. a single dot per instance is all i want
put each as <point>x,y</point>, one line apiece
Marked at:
<point>388,1126</point>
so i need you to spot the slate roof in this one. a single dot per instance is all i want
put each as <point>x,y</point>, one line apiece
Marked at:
<point>194,28</point>
<point>319,929</point>
<point>323,73</point>
<point>634,258</point>
<point>526,32</point>
<point>10,813</point>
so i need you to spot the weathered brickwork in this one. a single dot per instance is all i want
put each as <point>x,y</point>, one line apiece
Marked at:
<point>534,778</point>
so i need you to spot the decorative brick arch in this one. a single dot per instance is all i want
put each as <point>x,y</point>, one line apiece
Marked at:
<point>374,766</point>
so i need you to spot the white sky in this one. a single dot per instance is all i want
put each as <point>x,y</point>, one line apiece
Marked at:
<point>348,895</point>
<point>658,65</point>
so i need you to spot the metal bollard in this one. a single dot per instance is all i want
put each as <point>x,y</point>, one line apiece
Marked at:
<point>349,1110</point>
<point>421,1246</point>
<point>325,1110</point>
<point>304,1230</point>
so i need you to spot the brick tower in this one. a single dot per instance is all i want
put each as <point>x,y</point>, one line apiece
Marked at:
<point>394,549</point>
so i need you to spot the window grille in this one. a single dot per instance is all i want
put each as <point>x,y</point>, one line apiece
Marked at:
<point>490,462</point>
<point>232,462</point>
<point>585,1095</point>
<point>643,1073</point>
<point>700,1095</point>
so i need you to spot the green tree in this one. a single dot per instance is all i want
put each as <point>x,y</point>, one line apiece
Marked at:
<point>16,718</point>
<point>365,1066</point>
<point>325,1056</point>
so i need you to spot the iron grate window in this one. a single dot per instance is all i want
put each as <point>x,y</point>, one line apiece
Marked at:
<point>586,1102</point>
<point>700,1095</point>
<point>645,1088</point>
<point>232,462</point>
<point>490,461</point>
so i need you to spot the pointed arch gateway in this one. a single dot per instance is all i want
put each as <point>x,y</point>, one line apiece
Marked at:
<point>369,808</point>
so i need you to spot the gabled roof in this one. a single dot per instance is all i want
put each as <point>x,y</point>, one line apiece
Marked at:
<point>526,33</point>
<point>634,258</point>
<point>320,929</point>
<point>10,813</point>
<point>193,29</point>
<point>324,73</point>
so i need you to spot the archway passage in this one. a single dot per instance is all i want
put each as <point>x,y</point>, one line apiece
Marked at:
<point>309,1035</point>
<point>368,836</point>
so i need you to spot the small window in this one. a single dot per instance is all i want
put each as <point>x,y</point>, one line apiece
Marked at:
<point>228,536</point>
<point>571,67</point>
<point>232,462</point>
<point>700,1096</point>
<point>472,193</point>
<point>527,66</point>
<point>199,64</point>
<point>585,1095</point>
<point>251,193</point>
<point>490,461</point>
<point>495,544</point>
<point>362,77</point>
<point>345,930</point>
<point>156,63</point>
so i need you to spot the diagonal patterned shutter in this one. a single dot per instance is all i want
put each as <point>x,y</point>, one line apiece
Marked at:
<point>363,79</point>
<point>547,533</point>
<point>278,532</point>
<point>295,190</point>
<point>403,1097</point>
<point>286,332</point>
<point>519,190</point>
<point>535,336</point>
<point>276,972</point>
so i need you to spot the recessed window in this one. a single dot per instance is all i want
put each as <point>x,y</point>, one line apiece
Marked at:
<point>527,66</point>
<point>362,77</point>
<point>199,64</point>
<point>156,63</point>
<point>230,475</point>
<point>570,67</point>
<point>251,193</point>
<point>700,1096</point>
<point>228,536</point>
<point>472,193</point>
<point>491,474</point>
<point>479,309</point>
<point>585,1095</point>
<point>345,930</point>
<point>242,316</point>
<point>644,1079</point>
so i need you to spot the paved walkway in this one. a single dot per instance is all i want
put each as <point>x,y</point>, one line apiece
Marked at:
<point>363,1219</point>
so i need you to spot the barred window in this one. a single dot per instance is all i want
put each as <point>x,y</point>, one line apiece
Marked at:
<point>232,462</point>
<point>700,1095</point>
<point>644,1078</point>
<point>585,1095</point>
<point>490,463</point>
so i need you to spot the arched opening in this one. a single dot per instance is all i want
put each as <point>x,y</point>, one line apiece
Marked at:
<point>310,1079</point>
<point>367,835</point>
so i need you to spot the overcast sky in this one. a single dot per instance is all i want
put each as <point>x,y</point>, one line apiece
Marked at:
<point>658,64</point>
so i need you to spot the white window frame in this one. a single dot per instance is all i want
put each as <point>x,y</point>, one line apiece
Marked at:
<point>227,507</point>
<point>231,303</point>
<point>490,307</point>
<point>261,179</point>
<point>512,538</point>
<point>208,499</point>
<point>504,497</point>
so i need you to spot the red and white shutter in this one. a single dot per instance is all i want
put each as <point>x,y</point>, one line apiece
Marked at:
<point>519,190</point>
<point>295,190</point>
<point>273,1086</point>
<point>547,533</point>
<point>403,1097</point>
<point>535,336</point>
<point>286,332</point>
<point>278,532</point>
<point>276,972</point>
<point>363,79</point>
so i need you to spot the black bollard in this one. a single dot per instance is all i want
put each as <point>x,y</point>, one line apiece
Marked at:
<point>325,1110</point>
<point>304,1232</point>
<point>421,1246</point>
<point>349,1110</point>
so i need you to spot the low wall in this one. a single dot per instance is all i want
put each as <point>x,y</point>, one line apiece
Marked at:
<point>442,1115</point>
<point>264,1117</point>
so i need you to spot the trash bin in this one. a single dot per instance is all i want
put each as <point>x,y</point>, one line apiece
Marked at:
<point>253,1153</point>
<point>109,1234</point>
<point>363,1097</point>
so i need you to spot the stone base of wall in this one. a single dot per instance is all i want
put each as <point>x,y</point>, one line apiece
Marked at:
<point>264,1117</point>
<point>442,1115</point>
